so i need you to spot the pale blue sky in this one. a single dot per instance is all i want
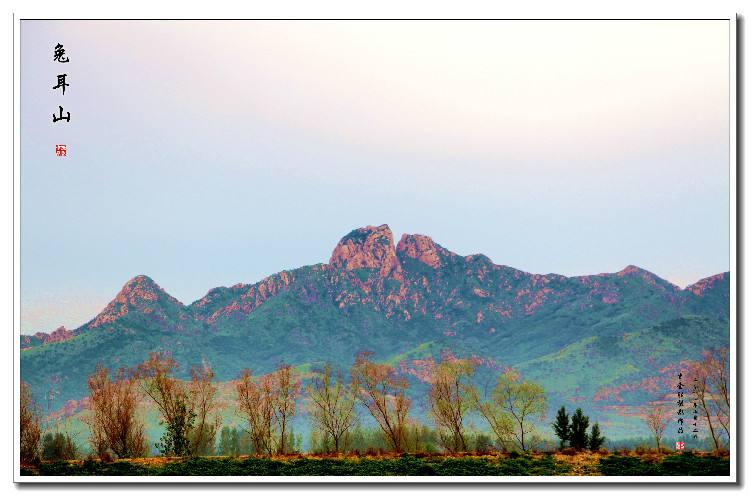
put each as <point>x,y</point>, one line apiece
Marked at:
<point>210,153</point>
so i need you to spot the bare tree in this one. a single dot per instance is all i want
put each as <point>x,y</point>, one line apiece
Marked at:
<point>171,399</point>
<point>717,365</point>
<point>383,393</point>
<point>656,416</point>
<point>450,398</point>
<point>157,382</point>
<point>30,426</point>
<point>185,408</point>
<point>202,394</point>
<point>255,403</point>
<point>113,418</point>
<point>286,389</point>
<point>511,411</point>
<point>332,406</point>
<point>701,395</point>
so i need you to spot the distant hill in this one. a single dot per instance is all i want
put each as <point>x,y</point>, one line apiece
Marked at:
<point>592,340</point>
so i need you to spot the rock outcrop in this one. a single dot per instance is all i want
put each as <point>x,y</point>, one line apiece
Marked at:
<point>367,247</point>
<point>424,249</point>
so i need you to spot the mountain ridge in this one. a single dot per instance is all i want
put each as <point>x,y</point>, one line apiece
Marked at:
<point>369,247</point>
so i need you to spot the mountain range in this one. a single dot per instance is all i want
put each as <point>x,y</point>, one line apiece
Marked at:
<point>606,341</point>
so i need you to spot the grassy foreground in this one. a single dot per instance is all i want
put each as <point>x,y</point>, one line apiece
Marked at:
<point>585,464</point>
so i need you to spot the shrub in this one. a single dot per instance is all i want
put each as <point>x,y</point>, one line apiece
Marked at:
<point>627,466</point>
<point>176,440</point>
<point>58,446</point>
<point>642,449</point>
<point>688,464</point>
<point>674,465</point>
<point>30,427</point>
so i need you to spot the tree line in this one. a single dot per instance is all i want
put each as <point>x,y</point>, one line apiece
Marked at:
<point>190,411</point>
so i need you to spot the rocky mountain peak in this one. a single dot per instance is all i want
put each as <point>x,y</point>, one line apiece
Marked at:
<point>141,289</point>
<point>422,248</point>
<point>139,294</point>
<point>632,270</point>
<point>367,247</point>
<point>648,277</point>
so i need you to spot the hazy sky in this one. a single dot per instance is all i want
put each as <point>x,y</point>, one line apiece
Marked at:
<point>210,153</point>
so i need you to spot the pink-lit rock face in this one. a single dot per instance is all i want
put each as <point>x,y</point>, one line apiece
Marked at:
<point>252,297</point>
<point>424,249</point>
<point>480,292</point>
<point>651,384</point>
<point>646,276</point>
<point>139,294</point>
<point>631,270</point>
<point>367,247</point>
<point>700,287</point>
<point>60,334</point>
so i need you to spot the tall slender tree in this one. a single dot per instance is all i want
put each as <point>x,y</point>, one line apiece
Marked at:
<point>202,393</point>
<point>578,426</point>
<point>450,399</point>
<point>513,408</point>
<point>255,403</point>
<point>561,426</point>
<point>332,404</point>
<point>596,439</point>
<point>383,393</point>
<point>656,417</point>
<point>285,390</point>
<point>717,367</point>
<point>701,395</point>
